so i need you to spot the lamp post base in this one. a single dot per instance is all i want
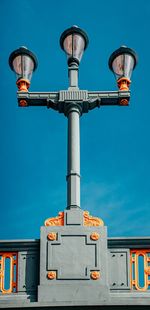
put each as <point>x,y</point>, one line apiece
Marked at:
<point>74,264</point>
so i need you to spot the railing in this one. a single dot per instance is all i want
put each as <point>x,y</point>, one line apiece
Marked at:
<point>8,272</point>
<point>129,264</point>
<point>140,269</point>
<point>19,265</point>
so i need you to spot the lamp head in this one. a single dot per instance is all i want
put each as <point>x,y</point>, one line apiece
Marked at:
<point>74,41</point>
<point>122,62</point>
<point>23,62</point>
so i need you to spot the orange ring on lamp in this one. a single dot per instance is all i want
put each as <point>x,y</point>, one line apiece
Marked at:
<point>23,84</point>
<point>123,83</point>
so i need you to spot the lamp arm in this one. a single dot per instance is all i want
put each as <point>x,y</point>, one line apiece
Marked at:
<point>87,100</point>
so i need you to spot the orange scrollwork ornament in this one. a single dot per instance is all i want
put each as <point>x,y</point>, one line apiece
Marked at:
<point>89,220</point>
<point>55,221</point>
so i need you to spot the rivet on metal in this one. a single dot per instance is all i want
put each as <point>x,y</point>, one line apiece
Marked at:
<point>95,275</point>
<point>23,103</point>
<point>124,102</point>
<point>52,236</point>
<point>51,275</point>
<point>94,236</point>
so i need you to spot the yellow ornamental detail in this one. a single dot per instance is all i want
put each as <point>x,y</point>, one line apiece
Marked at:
<point>89,220</point>
<point>55,221</point>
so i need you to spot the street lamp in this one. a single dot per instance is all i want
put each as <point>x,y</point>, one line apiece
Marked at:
<point>74,41</point>
<point>122,62</point>
<point>23,62</point>
<point>73,102</point>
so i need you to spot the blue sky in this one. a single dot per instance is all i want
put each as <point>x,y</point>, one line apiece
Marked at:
<point>115,147</point>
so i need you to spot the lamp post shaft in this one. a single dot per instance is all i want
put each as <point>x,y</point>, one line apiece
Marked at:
<point>73,167</point>
<point>73,74</point>
<point>73,103</point>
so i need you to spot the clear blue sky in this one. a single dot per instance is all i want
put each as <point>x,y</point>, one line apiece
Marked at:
<point>115,144</point>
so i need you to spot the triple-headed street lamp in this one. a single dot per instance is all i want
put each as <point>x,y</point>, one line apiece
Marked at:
<point>73,102</point>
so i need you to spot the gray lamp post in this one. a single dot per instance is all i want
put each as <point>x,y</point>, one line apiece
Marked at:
<point>73,102</point>
<point>74,258</point>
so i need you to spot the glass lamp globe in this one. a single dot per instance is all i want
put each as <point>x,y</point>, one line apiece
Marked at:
<point>23,62</point>
<point>74,41</point>
<point>122,62</point>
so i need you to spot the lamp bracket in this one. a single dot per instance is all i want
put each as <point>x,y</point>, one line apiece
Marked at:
<point>86,100</point>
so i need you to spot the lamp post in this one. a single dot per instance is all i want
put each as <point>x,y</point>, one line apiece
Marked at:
<point>74,261</point>
<point>73,102</point>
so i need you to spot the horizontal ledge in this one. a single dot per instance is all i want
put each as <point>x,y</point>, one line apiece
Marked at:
<point>129,242</point>
<point>113,242</point>
<point>114,302</point>
<point>17,245</point>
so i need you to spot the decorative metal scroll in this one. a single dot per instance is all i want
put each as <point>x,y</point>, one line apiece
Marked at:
<point>140,269</point>
<point>55,221</point>
<point>88,220</point>
<point>8,272</point>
